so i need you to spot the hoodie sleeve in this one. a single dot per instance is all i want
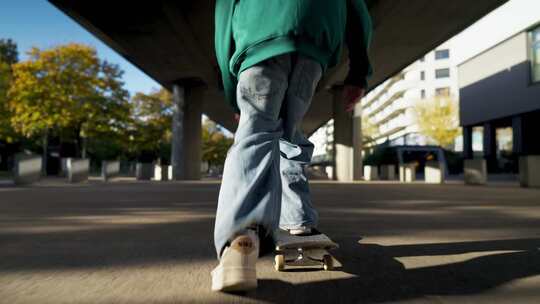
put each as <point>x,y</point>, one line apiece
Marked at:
<point>224,47</point>
<point>358,39</point>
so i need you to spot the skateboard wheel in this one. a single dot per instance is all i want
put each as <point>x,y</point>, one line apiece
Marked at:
<point>328,262</point>
<point>279,262</point>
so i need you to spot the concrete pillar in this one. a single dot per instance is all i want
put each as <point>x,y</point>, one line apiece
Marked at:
<point>78,169</point>
<point>177,147</point>
<point>371,173</point>
<point>388,172</point>
<point>475,171</point>
<point>490,145</point>
<point>161,172</point>
<point>357,146</point>
<point>434,172</point>
<point>529,171</point>
<point>347,141</point>
<point>27,169</point>
<point>467,142</point>
<point>407,173</point>
<point>109,169</point>
<point>186,150</point>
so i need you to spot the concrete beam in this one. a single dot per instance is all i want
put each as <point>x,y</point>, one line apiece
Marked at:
<point>174,40</point>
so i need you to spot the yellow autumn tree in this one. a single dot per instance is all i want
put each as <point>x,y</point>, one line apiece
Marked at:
<point>438,119</point>
<point>152,123</point>
<point>369,131</point>
<point>8,56</point>
<point>67,91</point>
<point>215,144</point>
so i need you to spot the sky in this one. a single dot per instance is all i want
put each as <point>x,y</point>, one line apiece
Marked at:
<point>38,23</point>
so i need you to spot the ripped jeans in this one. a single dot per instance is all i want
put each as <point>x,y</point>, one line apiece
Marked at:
<point>264,182</point>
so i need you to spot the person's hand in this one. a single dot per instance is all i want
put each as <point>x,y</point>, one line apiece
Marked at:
<point>351,95</point>
<point>237,117</point>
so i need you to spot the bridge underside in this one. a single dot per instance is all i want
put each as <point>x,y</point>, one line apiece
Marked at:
<point>172,41</point>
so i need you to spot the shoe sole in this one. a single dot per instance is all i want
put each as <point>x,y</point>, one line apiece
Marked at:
<point>234,279</point>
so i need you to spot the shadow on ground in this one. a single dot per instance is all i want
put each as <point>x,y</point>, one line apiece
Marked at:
<point>377,276</point>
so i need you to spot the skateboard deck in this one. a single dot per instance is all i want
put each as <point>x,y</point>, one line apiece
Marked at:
<point>305,250</point>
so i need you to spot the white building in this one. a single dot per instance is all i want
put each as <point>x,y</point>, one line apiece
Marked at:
<point>390,104</point>
<point>389,108</point>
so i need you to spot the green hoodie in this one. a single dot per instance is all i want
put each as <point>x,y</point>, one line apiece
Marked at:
<point>250,31</point>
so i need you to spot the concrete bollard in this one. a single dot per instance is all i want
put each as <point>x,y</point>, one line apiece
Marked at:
<point>109,169</point>
<point>407,173</point>
<point>388,172</point>
<point>529,171</point>
<point>434,172</point>
<point>144,171</point>
<point>161,173</point>
<point>371,173</point>
<point>78,169</point>
<point>475,171</point>
<point>27,169</point>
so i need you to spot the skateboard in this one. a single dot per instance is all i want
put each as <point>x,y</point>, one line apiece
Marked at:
<point>305,250</point>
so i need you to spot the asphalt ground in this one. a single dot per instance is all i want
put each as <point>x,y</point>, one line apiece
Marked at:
<point>151,242</point>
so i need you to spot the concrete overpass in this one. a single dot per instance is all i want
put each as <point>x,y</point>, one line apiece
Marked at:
<point>172,42</point>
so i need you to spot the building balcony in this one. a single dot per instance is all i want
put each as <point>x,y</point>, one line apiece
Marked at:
<point>387,103</point>
<point>388,86</point>
<point>391,115</point>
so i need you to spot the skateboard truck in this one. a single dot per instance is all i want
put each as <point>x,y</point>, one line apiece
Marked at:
<point>303,259</point>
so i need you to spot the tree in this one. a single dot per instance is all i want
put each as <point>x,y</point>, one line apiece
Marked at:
<point>69,92</point>
<point>369,131</point>
<point>8,56</point>
<point>8,51</point>
<point>152,122</point>
<point>215,144</point>
<point>438,119</point>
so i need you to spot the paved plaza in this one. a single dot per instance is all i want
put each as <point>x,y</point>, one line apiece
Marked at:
<point>128,242</point>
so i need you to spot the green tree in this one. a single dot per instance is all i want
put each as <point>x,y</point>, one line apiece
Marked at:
<point>438,119</point>
<point>8,56</point>
<point>215,144</point>
<point>152,123</point>
<point>69,92</point>
<point>8,51</point>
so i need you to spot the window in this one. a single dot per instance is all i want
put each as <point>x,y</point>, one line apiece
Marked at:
<point>442,73</point>
<point>423,75</point>
<point>535,55</point>
<point>442,54</point>
<point>423,94</point>
<point>442,92</point>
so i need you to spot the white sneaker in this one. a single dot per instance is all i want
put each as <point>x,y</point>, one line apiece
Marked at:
<point>300,231</point>
<point>237,267</point>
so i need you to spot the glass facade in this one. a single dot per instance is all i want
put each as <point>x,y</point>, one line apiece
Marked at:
<point>442,54</point>
<point>442,73</point>
<point>535,55</point>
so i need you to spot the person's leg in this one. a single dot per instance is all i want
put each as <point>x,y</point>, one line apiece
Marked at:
<point>296,150</point>
<point>251,188</point>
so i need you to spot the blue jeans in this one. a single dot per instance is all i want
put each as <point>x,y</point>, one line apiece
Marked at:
<point>264,182</point>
